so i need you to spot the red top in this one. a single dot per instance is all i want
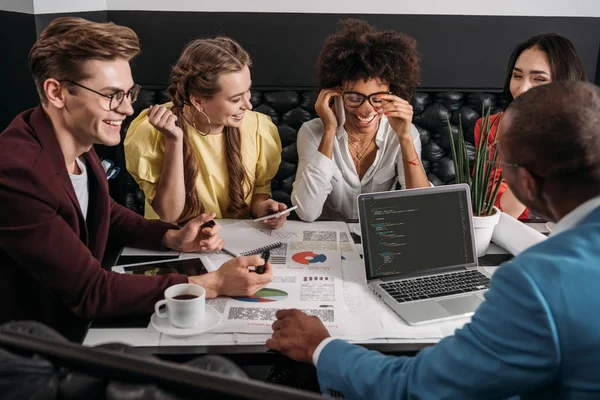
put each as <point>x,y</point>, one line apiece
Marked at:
<point>495,119</point>
<point>50,255</point>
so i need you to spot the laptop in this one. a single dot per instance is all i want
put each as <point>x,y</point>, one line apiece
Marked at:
<point>419,252</point>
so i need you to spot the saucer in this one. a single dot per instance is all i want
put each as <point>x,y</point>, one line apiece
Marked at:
<point>550,226</point>
<point>212,318</point>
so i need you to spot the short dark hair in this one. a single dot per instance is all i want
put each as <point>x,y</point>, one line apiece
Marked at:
<point>554,131</point>
<point>565,64</point>
<point>68,42</point>
<point>359,51</point>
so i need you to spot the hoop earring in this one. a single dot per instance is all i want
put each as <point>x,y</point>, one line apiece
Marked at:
<point>194,122</point>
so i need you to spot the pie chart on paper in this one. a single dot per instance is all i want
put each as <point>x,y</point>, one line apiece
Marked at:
<point>308,257</point>
<point>265,295</point>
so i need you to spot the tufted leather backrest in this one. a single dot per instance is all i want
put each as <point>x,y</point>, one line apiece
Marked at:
<point>289,109</point>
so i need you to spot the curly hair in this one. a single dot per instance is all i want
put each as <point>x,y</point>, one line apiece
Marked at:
<point>359,51</point>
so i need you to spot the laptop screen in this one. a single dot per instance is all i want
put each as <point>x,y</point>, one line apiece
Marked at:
<point>408,231</point>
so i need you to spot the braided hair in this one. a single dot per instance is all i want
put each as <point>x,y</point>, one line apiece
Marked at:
<point>197,73</point>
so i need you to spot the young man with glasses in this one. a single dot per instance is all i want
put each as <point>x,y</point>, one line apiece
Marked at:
<point>363,140</point>
<point>57,216</point>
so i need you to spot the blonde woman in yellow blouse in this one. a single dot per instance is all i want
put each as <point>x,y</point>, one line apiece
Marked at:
<point>206,151</point>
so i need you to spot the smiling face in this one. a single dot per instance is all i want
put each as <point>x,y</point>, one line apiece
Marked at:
<point>229,105</point>
<point>86,114</point>
<point>364,119</point>
<point>531,69</point>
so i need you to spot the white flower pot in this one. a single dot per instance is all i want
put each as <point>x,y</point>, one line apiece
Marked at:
<point>484,228</point>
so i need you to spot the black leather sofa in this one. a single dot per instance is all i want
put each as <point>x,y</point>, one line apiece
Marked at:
<point>289,109</point>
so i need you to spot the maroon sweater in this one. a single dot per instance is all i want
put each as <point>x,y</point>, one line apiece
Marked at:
<point>49,254</point>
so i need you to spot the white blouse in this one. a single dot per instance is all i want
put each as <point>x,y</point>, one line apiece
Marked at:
<point>327,188</point>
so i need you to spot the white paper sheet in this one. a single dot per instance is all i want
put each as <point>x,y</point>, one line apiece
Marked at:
<point>515,236</point>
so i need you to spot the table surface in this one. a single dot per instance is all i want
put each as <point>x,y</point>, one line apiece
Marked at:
<point>134,331</point>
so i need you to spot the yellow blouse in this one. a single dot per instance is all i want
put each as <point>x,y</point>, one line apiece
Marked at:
<point>260,149</point>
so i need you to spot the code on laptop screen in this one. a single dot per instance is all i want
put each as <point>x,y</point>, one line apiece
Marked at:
<point>410,233</point>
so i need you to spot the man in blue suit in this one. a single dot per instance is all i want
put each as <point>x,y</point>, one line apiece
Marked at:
<point>538,332</point>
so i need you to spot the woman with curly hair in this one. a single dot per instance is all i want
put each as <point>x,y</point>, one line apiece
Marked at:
<point>363,140</point>
<point>206,151</point>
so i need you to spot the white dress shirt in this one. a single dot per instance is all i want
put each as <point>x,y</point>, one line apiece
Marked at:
<point>327,188</point>
<point>576,215</point>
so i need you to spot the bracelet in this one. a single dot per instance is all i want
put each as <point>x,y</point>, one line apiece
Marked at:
<point>413,161</point>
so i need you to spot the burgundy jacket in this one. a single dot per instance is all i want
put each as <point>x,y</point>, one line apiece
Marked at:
<point>49,255</point>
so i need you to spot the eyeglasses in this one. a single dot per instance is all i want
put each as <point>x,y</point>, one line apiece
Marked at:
<point>116,99</point>
<point>497,163</point>
<point>355,99</point>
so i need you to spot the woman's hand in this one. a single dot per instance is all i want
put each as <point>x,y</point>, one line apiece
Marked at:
<point>399,113</point>
<point>164,120</point>
<point>324,110</point>
<point>271,206</point>
<point>193,237</point>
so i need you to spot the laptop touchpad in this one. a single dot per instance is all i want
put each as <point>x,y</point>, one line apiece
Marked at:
<point>460,305</point>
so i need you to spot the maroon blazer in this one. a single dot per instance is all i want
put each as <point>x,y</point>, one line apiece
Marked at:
<point>49,255</point>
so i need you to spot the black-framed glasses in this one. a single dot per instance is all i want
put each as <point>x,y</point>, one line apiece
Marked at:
<point>116,98</point>
<point>355,99</point>
<point>499,163</point>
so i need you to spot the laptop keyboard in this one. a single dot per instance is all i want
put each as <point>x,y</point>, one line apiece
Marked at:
<point>436,285</point>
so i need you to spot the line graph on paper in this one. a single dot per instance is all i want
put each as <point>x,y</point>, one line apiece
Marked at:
<point>287,235</point>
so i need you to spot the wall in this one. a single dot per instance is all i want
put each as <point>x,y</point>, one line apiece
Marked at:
<point>21,6</point>
<point>67,6</point>
<point>464,44</point>
<point>558,8</point>
<point>457,51</point>
<point>18,90</point>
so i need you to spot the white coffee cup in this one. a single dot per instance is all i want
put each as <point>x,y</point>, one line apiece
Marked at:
<point>185,305</point>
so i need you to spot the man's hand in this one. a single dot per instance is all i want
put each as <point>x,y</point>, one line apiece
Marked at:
<point>234,278</point>
<point>270,206</point>
<point>164,120</point>
<point>192,238</point>
<point>297,335</point>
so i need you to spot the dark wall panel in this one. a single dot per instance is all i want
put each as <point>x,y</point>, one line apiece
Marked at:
<point>18,90</point>
<point>457,51</point>
<point>465,52</point>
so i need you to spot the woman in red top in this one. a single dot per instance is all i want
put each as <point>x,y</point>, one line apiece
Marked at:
<point>539,60</point>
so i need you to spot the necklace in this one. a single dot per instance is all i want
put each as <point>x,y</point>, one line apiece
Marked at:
<point>361,152</point>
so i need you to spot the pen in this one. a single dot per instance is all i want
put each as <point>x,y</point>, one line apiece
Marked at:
<point>261,268</point>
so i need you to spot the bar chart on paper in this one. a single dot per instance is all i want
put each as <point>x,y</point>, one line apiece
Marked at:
<point>264,296</point>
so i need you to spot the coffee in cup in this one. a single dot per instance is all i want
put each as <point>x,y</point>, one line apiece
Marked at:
<point>184,305</point>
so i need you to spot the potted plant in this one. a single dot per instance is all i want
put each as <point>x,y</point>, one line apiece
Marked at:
<point>483,178</point>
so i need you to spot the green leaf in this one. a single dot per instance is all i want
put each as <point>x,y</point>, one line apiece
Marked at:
<point>483,190</point>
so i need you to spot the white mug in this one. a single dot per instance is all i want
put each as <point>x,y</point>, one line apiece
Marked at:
<point>183,312</point>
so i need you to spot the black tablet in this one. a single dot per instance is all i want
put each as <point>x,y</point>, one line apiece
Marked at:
<point>188,266</point>
<point>138,259</point>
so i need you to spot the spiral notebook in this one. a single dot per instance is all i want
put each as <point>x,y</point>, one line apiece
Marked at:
<point>241,239</point>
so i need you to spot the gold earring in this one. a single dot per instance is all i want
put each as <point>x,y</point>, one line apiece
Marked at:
<point>194,122</point>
